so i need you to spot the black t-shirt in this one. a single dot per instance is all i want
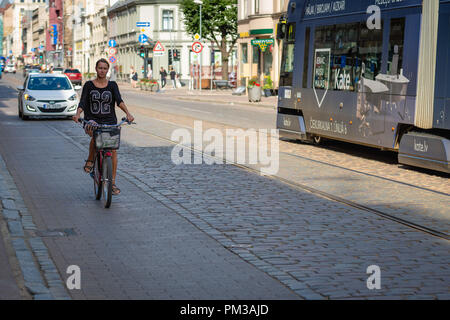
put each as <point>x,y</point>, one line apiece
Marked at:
<point>99,104</point>
<point>172,75</point>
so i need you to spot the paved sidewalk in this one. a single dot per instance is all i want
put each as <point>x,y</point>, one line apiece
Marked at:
<point>206,95</point>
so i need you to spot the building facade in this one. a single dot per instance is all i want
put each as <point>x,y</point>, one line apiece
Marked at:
<point>259,52</point>
<point>166,27</point>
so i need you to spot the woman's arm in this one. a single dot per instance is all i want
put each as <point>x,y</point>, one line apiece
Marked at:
<point>124,108</point>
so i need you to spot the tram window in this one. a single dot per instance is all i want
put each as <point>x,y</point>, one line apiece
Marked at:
<point>343,75</point>
<point>306,56</point>
<point>370,49</point>
<point>288,65</point>
<point>336,70</point>
<point>287,61</point>
<point>290,36</point>
<point>396,41</point>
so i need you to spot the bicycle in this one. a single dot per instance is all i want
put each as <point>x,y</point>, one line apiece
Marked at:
<point>107,138</point>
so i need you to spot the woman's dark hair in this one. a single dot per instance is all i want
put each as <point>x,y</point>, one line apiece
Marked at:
<point>101,60</point>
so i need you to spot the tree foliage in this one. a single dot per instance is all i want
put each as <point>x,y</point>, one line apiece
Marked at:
<point>219,23</point>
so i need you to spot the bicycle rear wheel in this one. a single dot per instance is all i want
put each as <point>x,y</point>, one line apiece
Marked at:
<point>97,177</point>
<point>107,181</point>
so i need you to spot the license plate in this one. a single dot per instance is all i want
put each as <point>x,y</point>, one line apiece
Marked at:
<point>51,106</point>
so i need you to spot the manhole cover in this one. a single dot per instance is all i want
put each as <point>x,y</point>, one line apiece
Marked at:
<point>56,233</point>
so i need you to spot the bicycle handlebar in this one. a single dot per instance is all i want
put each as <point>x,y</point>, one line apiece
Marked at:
<point>81,120</point>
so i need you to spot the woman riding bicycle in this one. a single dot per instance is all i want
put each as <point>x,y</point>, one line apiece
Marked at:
<point>98,100</point>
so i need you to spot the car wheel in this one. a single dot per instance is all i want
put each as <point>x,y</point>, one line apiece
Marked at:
<point>20,112</point>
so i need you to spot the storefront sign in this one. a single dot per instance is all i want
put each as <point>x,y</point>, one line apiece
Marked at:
<point>263,43</point>
<point>244,35</point>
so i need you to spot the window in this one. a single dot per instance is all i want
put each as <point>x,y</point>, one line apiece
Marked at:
<point>340,53</point>
<point>244,53</point>
<point>256,6</point>
<point>396,40</point>
<point>287,60</point>
<point>256,54</point>
<point>49,83</point>
<point>167,20</point>
<point>306,57</point>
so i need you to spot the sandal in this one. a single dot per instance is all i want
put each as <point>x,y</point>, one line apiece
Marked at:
<point>87,168</point>
<point>115,190</point>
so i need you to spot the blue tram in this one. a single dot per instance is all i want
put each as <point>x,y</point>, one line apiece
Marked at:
<point>372,72</point>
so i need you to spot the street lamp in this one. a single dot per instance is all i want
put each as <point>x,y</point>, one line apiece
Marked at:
<point>200,2</point>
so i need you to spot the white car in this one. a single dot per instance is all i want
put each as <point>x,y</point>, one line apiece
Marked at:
<point>47,95</point>
<point>58,70</point>
<point>10,68</point>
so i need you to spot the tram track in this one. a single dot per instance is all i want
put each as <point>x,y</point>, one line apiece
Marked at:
<point>322,194</point>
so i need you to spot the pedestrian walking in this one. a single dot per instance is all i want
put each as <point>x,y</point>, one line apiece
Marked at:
<point>163,74</point>
<point>133,77</point>
<point>173,75</point>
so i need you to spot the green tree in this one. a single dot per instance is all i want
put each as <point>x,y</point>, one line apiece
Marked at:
<point>219,25</point>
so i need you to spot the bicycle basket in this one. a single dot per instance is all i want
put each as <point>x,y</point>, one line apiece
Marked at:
<point>107,138</point>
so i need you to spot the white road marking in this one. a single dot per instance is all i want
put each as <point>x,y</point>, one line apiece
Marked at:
<point>196,110</point>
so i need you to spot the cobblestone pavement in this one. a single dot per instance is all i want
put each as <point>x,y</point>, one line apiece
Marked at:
<point>138,249</point>
<point>394,191</point>
<point>317,247</point>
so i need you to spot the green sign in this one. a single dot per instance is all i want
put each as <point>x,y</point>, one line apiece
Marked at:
<point>263,43</point>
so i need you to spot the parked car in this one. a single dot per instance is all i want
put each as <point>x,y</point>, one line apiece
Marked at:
<point>47,95</point>
<point>74,76</point>
<point>58,70</point>
<point>10,68</point>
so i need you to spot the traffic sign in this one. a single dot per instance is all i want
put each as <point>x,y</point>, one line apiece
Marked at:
<point>112,43</point>
<point>112,59</point>
<point>158,47</point>
<point>143,38</point>
<point>142,24</point>
<point>197,47</point>
<point>197,37</point>
<point>158,53</point>
<point>112,51</point>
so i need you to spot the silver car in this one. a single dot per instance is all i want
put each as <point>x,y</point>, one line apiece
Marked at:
<point>47,95</point>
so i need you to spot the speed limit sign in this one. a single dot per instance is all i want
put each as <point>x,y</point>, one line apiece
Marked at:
<point>112,51</point>
<point>197,47</point>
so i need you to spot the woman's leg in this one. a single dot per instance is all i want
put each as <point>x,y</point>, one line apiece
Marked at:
<point>114,163</point>
<point>90,160</point>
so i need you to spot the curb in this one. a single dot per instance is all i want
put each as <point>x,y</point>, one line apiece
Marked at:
<point>229,102</point>
<point>41,277</point>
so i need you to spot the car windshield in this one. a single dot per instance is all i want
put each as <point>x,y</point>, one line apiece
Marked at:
<point>49,83</point>
<point>71,71</point>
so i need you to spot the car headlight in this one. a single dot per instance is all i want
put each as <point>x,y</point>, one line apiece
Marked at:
<point>73,97</point>
<point>28,97</point>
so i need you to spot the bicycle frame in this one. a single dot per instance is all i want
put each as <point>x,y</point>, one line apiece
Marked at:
<point>103,176</point>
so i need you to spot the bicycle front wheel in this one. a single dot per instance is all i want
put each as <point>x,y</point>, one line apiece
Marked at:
<point>97,177</point>
<point>107,181</point>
